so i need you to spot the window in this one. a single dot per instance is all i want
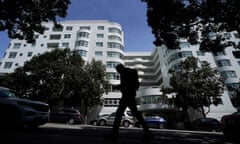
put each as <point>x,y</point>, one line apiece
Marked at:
<point>69,28</point>
<point>99,44</point>
<point>229,74</point>
<point>113,76</point>
<point>58,29</point>
<point>227,35</point>
<point>100,35</point>
<point>82,43</point>
<point>221,63</point>
<point>29,54</point>
<point>115,45</point>
<point>55,37</point>
<point>16,45</point>
<point>203,62</point>
<point>52,45</point>
<point>179,55</point>
<point>100,27</point>
<point>65,44</point>
<point>113,37</point>
<point>12,55</point>
<point>36,36</point>
<point>200,53</point>
<point>236,54</point>
<point>221,53</point>
<point>236,35</point>
<point>184,45</point>
<point>82,53</point>
<point>34,44</point>
<point>111,64</point>
<point>8,65</point>
<point>114,30</point>
<point>67,36</point>
<point>83,34</point>
<point>84,27</point>
<point>114,54</point>
<point>98,53</point>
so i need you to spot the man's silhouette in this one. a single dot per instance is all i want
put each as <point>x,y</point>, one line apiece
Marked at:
<point>128,86</point>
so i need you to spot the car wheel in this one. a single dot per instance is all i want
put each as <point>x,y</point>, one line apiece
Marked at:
<point>102,122</point>
<point>70,121</point>
<point>217,129</point>
<point>126,124</point>
<point>161,126</point>
<point>94,123</point>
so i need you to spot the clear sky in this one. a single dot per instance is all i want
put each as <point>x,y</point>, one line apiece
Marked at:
<point>130,14</point>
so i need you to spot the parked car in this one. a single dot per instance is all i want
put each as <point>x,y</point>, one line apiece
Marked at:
<point>154,121</point>
<point>206,124</point>
<point>126,121</point>
<point>66,115</point>
<point>231,125</point>
<point>18,112</point>
<point>94,121</point>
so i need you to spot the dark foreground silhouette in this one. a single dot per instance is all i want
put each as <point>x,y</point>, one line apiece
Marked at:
<point>128,85</point>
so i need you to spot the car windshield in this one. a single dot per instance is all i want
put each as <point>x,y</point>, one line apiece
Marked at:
<point>7,93</point>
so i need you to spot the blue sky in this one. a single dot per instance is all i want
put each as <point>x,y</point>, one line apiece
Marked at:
<point>131,14</point>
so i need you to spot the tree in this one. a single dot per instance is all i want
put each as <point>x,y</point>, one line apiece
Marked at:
<point>96,85</point>
<point>199,21</point>
<point>61,79</point>
<point>52,77</point>
<point>195,87</point>
<point>23,17</point>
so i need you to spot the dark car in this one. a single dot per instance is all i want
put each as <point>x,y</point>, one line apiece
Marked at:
<point>154,121</point>
<point>18,112</point>
<point>206,124</point>
<point>231,125</point>
<point>66,115</point>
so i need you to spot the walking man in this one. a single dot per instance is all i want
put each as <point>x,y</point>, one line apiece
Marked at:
<point>128,86</point>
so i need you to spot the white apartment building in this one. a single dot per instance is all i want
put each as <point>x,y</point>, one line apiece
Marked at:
<point>104,40</point>
<point>98,39</point>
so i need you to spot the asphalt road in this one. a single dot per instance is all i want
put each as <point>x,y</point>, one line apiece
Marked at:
<point>85,134</point>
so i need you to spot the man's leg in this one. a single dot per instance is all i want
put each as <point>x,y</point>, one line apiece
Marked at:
<point>119,113</point>
<point>147,133</point>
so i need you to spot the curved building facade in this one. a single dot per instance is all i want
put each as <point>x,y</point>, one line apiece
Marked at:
<point>103,40</point>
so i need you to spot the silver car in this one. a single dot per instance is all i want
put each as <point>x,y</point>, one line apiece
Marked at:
<point>127,119</point>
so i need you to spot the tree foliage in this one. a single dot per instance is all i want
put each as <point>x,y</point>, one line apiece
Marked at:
<point>195,87</point>
<point>60,78</point>
<point>96,84</point>
<point>195,20</point>
<point>23,17</point>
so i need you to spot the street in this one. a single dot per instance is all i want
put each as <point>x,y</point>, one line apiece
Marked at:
<point>84,134</point>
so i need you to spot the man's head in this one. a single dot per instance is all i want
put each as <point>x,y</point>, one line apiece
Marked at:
<point>120,68</point>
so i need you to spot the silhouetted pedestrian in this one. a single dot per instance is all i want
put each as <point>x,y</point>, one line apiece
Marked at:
<point>128,86</point>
